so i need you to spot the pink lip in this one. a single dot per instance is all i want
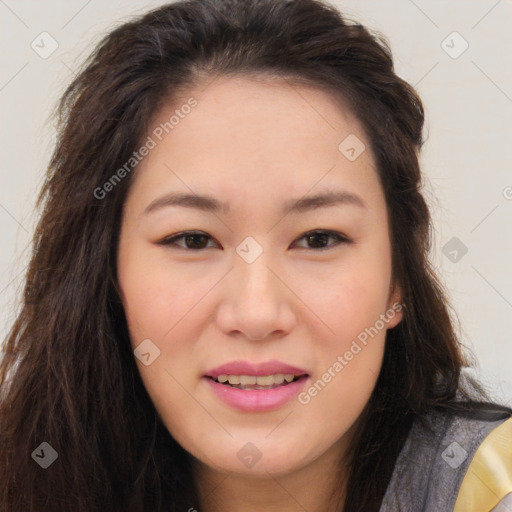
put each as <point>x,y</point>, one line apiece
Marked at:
<point>246,368</point>
<point>256,400</point>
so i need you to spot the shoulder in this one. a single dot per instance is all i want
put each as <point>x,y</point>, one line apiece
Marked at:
<point>445,454</point>
<point>487,483</point>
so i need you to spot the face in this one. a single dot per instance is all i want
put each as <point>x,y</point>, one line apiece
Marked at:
<point>263,283</point>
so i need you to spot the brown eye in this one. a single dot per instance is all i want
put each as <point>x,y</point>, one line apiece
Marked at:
<point>192,240</point>
<point>319,240</point>
<point>196,241</point>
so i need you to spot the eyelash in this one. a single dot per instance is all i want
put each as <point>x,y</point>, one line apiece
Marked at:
<point>340,239</point>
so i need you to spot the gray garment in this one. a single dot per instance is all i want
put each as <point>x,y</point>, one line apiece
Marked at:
<point>505,505</point>
<point>433,461</point>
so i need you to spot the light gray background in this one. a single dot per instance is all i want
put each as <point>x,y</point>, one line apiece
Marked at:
<point>466,160</point>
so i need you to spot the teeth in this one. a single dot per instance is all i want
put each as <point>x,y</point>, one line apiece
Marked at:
<point>246,380</point>
<point>264,380</point>
<point>252,380</point>
<point>279,378</point>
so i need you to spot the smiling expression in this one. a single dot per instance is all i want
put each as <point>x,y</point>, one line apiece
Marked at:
<point>250,241</point>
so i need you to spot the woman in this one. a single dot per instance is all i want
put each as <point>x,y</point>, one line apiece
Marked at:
<point>229,303</point>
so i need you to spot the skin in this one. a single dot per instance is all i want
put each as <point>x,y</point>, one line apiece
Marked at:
<point>256,143</point>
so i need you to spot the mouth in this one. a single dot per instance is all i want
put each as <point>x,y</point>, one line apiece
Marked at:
<point>256,387</point>
<point>258,382</point>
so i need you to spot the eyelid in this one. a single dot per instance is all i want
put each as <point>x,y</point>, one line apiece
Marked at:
<point>169,240</point>
<point>338,236</point>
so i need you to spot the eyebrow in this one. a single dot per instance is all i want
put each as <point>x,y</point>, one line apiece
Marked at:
<point>211,204</point>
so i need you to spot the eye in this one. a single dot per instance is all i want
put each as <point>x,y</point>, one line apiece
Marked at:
<point>320,238</point>
<point>193,240</point>
<point>197,241</point>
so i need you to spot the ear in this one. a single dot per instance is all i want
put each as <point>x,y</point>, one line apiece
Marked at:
<point>395,309</point>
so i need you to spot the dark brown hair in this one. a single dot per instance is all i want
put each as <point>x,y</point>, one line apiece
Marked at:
<point>68,375</point>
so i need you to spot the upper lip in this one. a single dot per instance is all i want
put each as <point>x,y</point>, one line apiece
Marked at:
<point>257,369</point>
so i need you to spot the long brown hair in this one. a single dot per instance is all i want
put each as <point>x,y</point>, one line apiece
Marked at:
<point>68,375</point>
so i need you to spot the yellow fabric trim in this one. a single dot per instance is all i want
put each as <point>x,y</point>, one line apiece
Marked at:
<point>489,475</point>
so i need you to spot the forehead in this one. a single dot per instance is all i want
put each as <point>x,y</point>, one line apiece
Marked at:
<point>268,108</point>
<point>256,134</point>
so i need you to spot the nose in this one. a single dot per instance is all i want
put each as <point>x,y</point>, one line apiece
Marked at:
<point>256,302</point>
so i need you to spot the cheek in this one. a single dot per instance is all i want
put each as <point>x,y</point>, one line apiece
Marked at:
<point>348,367</point>
<point>353,302</point>
<point>349,359</point>
<point>360,323</point>
<point>156,296</point>
<point>160,305</point>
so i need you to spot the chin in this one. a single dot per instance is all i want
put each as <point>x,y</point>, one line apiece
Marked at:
<point>255,459</point>
<point>261,469</point>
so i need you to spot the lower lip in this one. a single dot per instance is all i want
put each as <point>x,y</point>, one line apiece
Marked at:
<point>256,400</point>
